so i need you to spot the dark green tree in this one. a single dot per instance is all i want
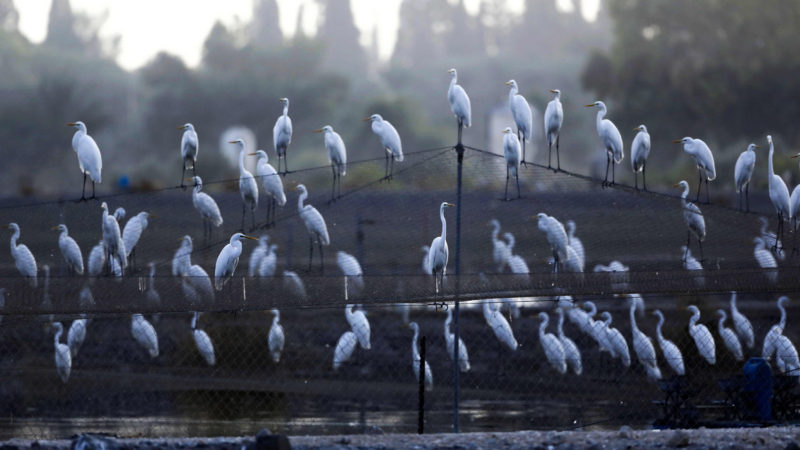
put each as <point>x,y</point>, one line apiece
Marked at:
<point>265,30</point>
<point>340,37</point>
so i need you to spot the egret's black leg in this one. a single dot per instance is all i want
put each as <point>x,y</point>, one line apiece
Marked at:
<point>549,154</point>
<point>505,196</point>
<point>286,161</point>
<point>524,163</point>
<point>83,191</point>
<point>310,251</point>
<point>558,152</point>
<point>636,180</point>
<point>460,128</point>
<point>333,186</point>
<point>340,184</point>
<point>747,196</point>
<point>708,194</point>
<point>517,177</point>
<point>183,174</point>
<point>608,163</point>
<point>699,184</point>
<point>644,176</point>
<point>253,217</point>
<point>613,173</point>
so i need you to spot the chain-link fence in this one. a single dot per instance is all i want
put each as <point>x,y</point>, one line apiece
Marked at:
<point>121,385</point>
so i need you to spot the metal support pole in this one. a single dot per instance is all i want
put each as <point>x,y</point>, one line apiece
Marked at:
<point>460,153</point>
<point>421,413</point>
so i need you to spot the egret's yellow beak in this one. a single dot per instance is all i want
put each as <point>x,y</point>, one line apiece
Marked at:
<point>188,179</point>
<point>758,146</point>
<point>552,90</point>
<point>677,141</point>
<point>71,124</point>
<point>589,106</point>
<point>793,156</point>
<point>233,142</point>
<point>319,131</point>
<point>637,129</point>
<point>676,185</point>
<point>182,127</point>
<point>252,154</point>
<point>367,119</point>
<point>54,228</point>
<point>449,204</point>
<point>250,237</point>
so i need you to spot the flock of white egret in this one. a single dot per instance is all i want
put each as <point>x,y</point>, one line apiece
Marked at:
<point>116,248</point>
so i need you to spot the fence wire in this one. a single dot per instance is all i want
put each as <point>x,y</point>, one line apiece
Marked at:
<point>118,385</point>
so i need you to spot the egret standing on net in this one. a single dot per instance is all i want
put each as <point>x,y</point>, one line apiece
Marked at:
<point>575,243</point>
<point>132,232</point>
<point>703,339</point>
<point>89,159</point>
<point>315,224</point>
<point>282,136</point>
<point>203,341</point>
<point>765,259</point>
<point>337,155</point>
<point>189,148</point>
<point>276,338</point>
<point>742,173</point>
<point>76,335</point>
<point>70,250</point>
<point>351,269</point>
<point>611,139</point>
<point>704,160</point>
<point>390,141</point>
<point>778,195</point>
<point>523,117</point>
<point>23,258</point>
<point>693,218</point>
<point>511,154</point>
<point>553,118</point>
<point>770,239</point>
<point>62,353</point>
<point>729,338</point>
<point>640,150</point>
<point>359,324</point>
<point>112,238</point>
<point>741,324</point>
<point>247,185</point>
<point>671,352</point>
<point>206,206</point>
<point>415,359</point>
<point>439,252</point>
<point>500,251</point>
<point>273,186</point>
<point>459,103</point>
<point>556,237</point>
<point>228,259</point>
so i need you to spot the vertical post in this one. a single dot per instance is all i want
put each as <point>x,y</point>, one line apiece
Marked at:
<point>421,413</point>
<point>457,339</point>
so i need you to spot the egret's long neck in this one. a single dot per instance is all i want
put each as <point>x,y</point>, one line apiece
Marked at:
<point>194,320</point>
<point>444,223</point>
<point>511,241</point>
<point>543,326</point>
<point>301,199</point>
<point>658,327</point>
<point>447,322</point>
<point>771,152</point>
<point>684,195</point>
<point>495,231</point>
<point>512,92</point>
<point>414,349</point>
<point>241,160</point>
<point>277,317</point>
<point>694,319</point>
<point>783,316</point>
<point>633,317</point>
<point>600,114</point>
<point>560,322</point>
<point>453,80</point>
<point>285,109</point>
<point>719,323</point>
<point>57,337</point>
<point>14,238</point>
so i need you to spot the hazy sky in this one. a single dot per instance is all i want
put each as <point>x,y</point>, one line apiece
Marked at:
<point>181,26</point>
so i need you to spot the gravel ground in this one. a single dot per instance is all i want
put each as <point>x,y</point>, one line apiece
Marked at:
<point>774,438</point>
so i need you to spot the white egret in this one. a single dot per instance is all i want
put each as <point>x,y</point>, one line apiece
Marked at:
<point>23,258</point>
<point>228,259</point>
<point>282,136</point>
<point>120,213</point>
<point>276,338</point>
<point>521,112</point>
<point>704,160</point>
<point>268,263</point>
<point>703,339</point>
<point>438,254</point>
<point>576,315</point>
<point>556,237</point>
<point>598,330</point>
<point>552,347</point>
<point>778,194</point>
<point>771,339</point>
<point>203,341</point>
<point>76,335</point>
<point>640,150</point>
<point>345,347</point>
<point>689,261</point>
<point>786,355</point>
<point>189,149</point>
<point>553,118</point>
<point>200,283</point>
<point>510,241</point>
<point>315,224</point>
<point>294,284</point>
<point>642,344</point>
<point>69,250</point>
<point>351,269</point>
<point>62,354</point>
<point>729,338</point>
<point>511,154</point>
<point>144,334</point>
<point>500,251</point>
<point>359,324</point>
<point>742,173</point>
<point>258,253</point>
<point>500,326</point>
<point>273,186</point>
<point>247,185</point>
<point>390,141</point>
<point>426,260</point>
<point>765,259</point>
<point>617,341</point>
<point>415,359</point>
<point>571,352</point>
<point>182,258</point>
<point>89,159</point>
<point>450,342</point>
<point>206,206</point>
<point>741,324</point>
<point>97,259</point>
<point>518,266</point>
<point>611,140</point>
<point>133,231</point>
<point>337,156</point>
<point>459,103</point>
<point>693,218</point>
<point>572,264</point>
<point>671,352</point>
<point>575,243</point>
<point>770,239</point>
<point>153,297</point>
<point>112,238</point>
